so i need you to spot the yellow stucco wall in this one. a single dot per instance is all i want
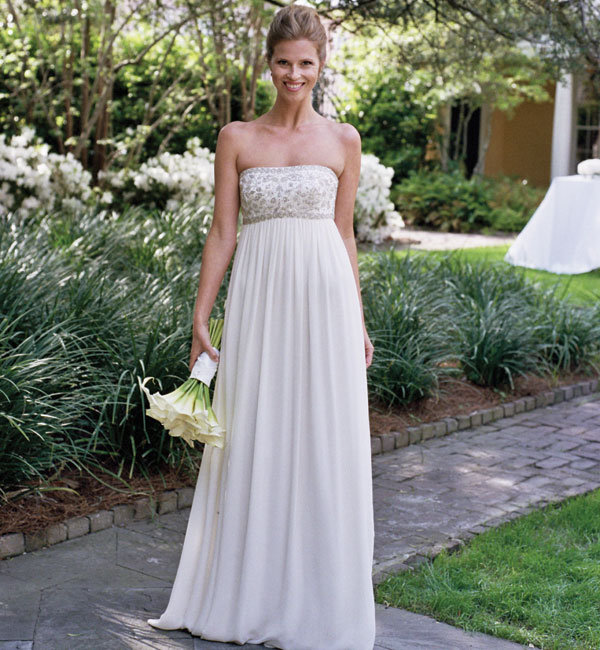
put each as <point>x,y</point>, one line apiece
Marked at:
<point>522,145</point>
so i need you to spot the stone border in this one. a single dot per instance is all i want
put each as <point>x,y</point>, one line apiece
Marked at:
<point>384,442</point>
<point>12,544</point>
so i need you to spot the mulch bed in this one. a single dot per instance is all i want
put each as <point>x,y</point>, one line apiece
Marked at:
<point>37,509</point>
<point>461,397</point>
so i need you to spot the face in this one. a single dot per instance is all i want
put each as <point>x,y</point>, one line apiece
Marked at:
<point>295,68</point>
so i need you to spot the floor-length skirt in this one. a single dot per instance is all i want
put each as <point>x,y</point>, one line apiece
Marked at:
<point>279,544</point>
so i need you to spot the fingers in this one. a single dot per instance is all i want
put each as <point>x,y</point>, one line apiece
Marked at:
<point>212,354</point>
<point>198,348</point>
<point>369,353</point>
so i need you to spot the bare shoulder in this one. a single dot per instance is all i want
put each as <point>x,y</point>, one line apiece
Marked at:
<point>349,144</point>
<point>232,132</point>
<point>345,132</point>
<point>231,140</point>
<point>348,135</point>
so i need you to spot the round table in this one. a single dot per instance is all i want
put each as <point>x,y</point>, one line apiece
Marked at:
<point>563,235</point>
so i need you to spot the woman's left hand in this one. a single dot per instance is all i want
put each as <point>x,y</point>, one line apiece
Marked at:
<point>368,349</point>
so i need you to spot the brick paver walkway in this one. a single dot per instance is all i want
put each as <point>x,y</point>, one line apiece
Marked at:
<point>98,590</point>
<point>444,490</point>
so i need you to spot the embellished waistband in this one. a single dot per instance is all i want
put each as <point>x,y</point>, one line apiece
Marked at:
<point>247,219</point>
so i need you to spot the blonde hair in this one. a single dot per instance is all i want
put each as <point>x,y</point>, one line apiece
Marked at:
<point>296,22</point>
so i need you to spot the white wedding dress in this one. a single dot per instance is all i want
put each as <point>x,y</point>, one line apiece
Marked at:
<point>279,545</point>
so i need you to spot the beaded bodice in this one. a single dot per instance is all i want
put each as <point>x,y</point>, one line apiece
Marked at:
<point>303,191</point>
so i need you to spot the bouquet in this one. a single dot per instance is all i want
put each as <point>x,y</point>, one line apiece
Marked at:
<point>187,412</point>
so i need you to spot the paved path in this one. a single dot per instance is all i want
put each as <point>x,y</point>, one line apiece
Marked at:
<point>433,240</point>
<point>444,490</point>
<point>98,590</point>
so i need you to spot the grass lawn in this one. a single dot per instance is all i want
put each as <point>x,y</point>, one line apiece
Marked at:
<point>582,288</point>
<point>533,580</point>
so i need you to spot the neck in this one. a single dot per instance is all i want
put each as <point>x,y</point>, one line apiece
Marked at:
<point>292,115</point>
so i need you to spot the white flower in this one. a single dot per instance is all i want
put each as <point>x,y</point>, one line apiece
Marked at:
<point>34,177</point>
<point>30,203</point>
<point>375,216</point>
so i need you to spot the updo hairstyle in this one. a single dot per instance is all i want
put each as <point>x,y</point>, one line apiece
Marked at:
<point>297,22</point>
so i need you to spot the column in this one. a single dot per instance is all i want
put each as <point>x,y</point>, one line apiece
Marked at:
<point>563,129</point>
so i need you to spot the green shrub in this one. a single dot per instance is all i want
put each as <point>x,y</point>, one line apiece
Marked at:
<point>392,125</point>
<point>493,324</point>
<point>569,334</point>
<point>512,202</point>
<point>449,202</point>
<point>404,313</point>
<point>495,342</point>
<point>85,308</point>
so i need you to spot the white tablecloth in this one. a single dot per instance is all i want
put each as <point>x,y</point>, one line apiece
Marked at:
<point>563,235</point>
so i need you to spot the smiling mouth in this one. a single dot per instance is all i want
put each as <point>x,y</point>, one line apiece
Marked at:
<point>293,86</point>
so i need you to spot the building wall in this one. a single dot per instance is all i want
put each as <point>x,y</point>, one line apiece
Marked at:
<point>522,145</point>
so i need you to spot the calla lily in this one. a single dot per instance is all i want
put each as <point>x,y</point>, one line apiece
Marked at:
<point>187,412</point>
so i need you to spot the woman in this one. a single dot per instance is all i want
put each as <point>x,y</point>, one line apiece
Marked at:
<point>279,545</point>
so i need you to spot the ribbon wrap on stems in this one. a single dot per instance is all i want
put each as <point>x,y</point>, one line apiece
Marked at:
<point>205,368</point>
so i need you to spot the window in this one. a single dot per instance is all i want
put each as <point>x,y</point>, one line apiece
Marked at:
<point>588,123</point>
<point>588,131</point>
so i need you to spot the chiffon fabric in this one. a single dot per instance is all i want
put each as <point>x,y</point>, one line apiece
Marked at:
<point>279,544</point>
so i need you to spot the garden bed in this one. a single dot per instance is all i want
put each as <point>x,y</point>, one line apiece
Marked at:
<point>461,397</point>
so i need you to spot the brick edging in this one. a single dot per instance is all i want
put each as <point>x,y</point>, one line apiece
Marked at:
<point>384,442</point>
<point>12,544</point>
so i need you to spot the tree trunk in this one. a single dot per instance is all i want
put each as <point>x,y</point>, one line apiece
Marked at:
<point>486,128</point>
<point>85,85</point>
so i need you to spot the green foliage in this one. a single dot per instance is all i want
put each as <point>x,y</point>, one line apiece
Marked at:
<point>392,124</point>
<point>565,34</point>
<point>113,302</point>
<point>494,335</point>
<point>512,202</point>
<point>570,333</point>
<point>403,310</point>
<point>423,312</point>
<point>449,202</point>
<point>162,77</point>
<point>581,289</point>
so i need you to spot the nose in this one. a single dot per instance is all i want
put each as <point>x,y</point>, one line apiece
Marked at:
<point>293,73</point>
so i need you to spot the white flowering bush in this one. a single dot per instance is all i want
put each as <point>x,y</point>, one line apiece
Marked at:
<point>375,217</point>
<point>31,177</point>
<point>166,181</point>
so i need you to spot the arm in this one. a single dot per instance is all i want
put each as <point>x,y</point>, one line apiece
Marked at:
<point>344,212</point>
<point>220,241</point>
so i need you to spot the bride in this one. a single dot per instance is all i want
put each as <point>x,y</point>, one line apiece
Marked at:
<point>279,544</point>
